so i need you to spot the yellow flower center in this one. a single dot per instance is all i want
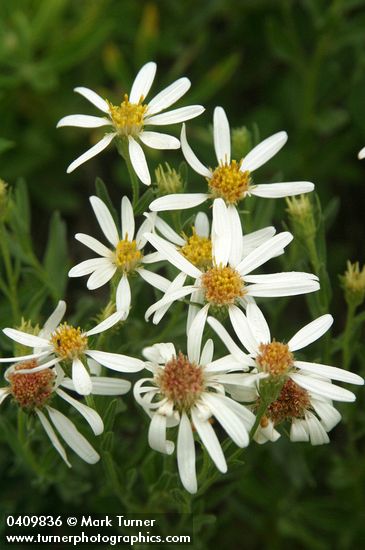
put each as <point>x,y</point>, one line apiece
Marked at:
<point>128,117</point>
<point>69,342</point>
<point>181,382</point>
<point>33,389</point>
<point>292,402</point>
<point>275,358</point>
<point>198,250</point>
<point>222,285</point>
<point>229,183</point>
<point>127,255</point>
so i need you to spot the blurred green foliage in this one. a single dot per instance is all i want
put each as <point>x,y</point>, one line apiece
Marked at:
<point>297,65</point>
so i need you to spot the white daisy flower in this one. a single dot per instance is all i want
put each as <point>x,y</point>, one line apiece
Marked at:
<point>361,154</point>
<point>307,392</point>
<point>129,119</point>
<point>68,346</point>
<point>188,390</point>
<point>125,258</point>
<point>231,179</point>
<point>34,390</point>
<point>229,280</point>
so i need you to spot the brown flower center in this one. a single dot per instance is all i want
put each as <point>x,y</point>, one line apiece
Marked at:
<point>229,183</point>
<point>181,381</point>
<point>33,389</point>
<point>127,255</point>
<point>198,250</point>
<point>292,402</point>
<point>222,285</point>
<point>128,117</point>
<point>68,341</point>
<point>275,358</point>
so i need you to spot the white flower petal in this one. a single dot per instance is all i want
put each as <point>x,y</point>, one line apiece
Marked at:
<point>256,238</point>
<point>105,220</point>
<point>282,289</point>
<point>146,226</point>
<point>258,325</point>
<point>138,161</point>
<point>264,151</point>
<point>26,339</point>
<point>94,245</point>
<point>298,431</point>
<point>317,433</point>
<point>242,412</point>
<point>53,320</point>
<point>83,121</point>
<point>154,279</point>
<point>89,266</point>
<point>264,252</point>
<point>361,154</point>
<point>101,276</point>
<point>178,201</point>
<point>159,353</point>
<point>4,392</point>
<point>172,255</point>
<point>94,98</point>
<point>310,333</point>
<point>176,116</point>
<point>157,140</point>
<point>283,276</point>
<point>278,190</point>
<point>227,340</point>
<point>209,439</point>
<point>329,416</point>
<point>229,421</point>
<point>109,322</point>
<point>37,355</point>
<point>202,225</point>
<point>168,232</point>
<point>73,437</point>
<point>103,385</point>
<point>127,219</point>
<point>186,455</point>
<point>325,389</point>
<point>227,363</point>
<point>176,284</point>
<point>52,436</point>
<point>116,361</point>
<point>207,353</point>
<point>143,82</point>
<point>92,152</point>
<point>168,96</point>
<point>236,251</point>
<point>92,417</point>
<point>81,377</point>
<point>221,233</point>
<point>168,299</point>
<point>157,435</point>
<point>249,339</point>
<point>123,297</point>
<point>190,156</point>
<point>195,335</point>
<point>222,136</point>
<point>330,372</point>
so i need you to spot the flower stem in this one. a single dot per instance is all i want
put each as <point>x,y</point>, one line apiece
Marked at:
<point>122,146</point>
<point>12,285</point>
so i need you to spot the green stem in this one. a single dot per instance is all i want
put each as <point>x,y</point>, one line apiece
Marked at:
<point>12,284</point>
<point>260,413</point>
<point>122,146</point>
<point>346,349</point>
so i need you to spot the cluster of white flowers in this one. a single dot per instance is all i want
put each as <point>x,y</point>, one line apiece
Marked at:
<point>249,391</point>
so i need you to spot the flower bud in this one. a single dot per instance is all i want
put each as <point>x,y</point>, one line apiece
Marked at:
<point>25,326</point>
<point>353,284</point>
<point>168,180</point>
<point>301,216</point>
<point>241,142</point>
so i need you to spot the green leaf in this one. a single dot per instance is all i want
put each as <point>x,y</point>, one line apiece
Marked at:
<point>144,202</point>
<point>56,261</point>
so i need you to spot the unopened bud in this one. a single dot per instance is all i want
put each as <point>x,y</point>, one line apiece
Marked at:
<point>241,142</point>
<point>26,326</point>
<point>168,180</point>
<point>301,216</point>
<point>353,283</point>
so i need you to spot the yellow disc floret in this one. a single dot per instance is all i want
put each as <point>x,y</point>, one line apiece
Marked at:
<point>127,255</point>
<point>229,182</point>
<point>32,389</point>
<point>198,250</point>
<point>69,342</point>
<point>181,381</point>
<point>128,117</point>
<point>275,358</point>
<point>222,285</point>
